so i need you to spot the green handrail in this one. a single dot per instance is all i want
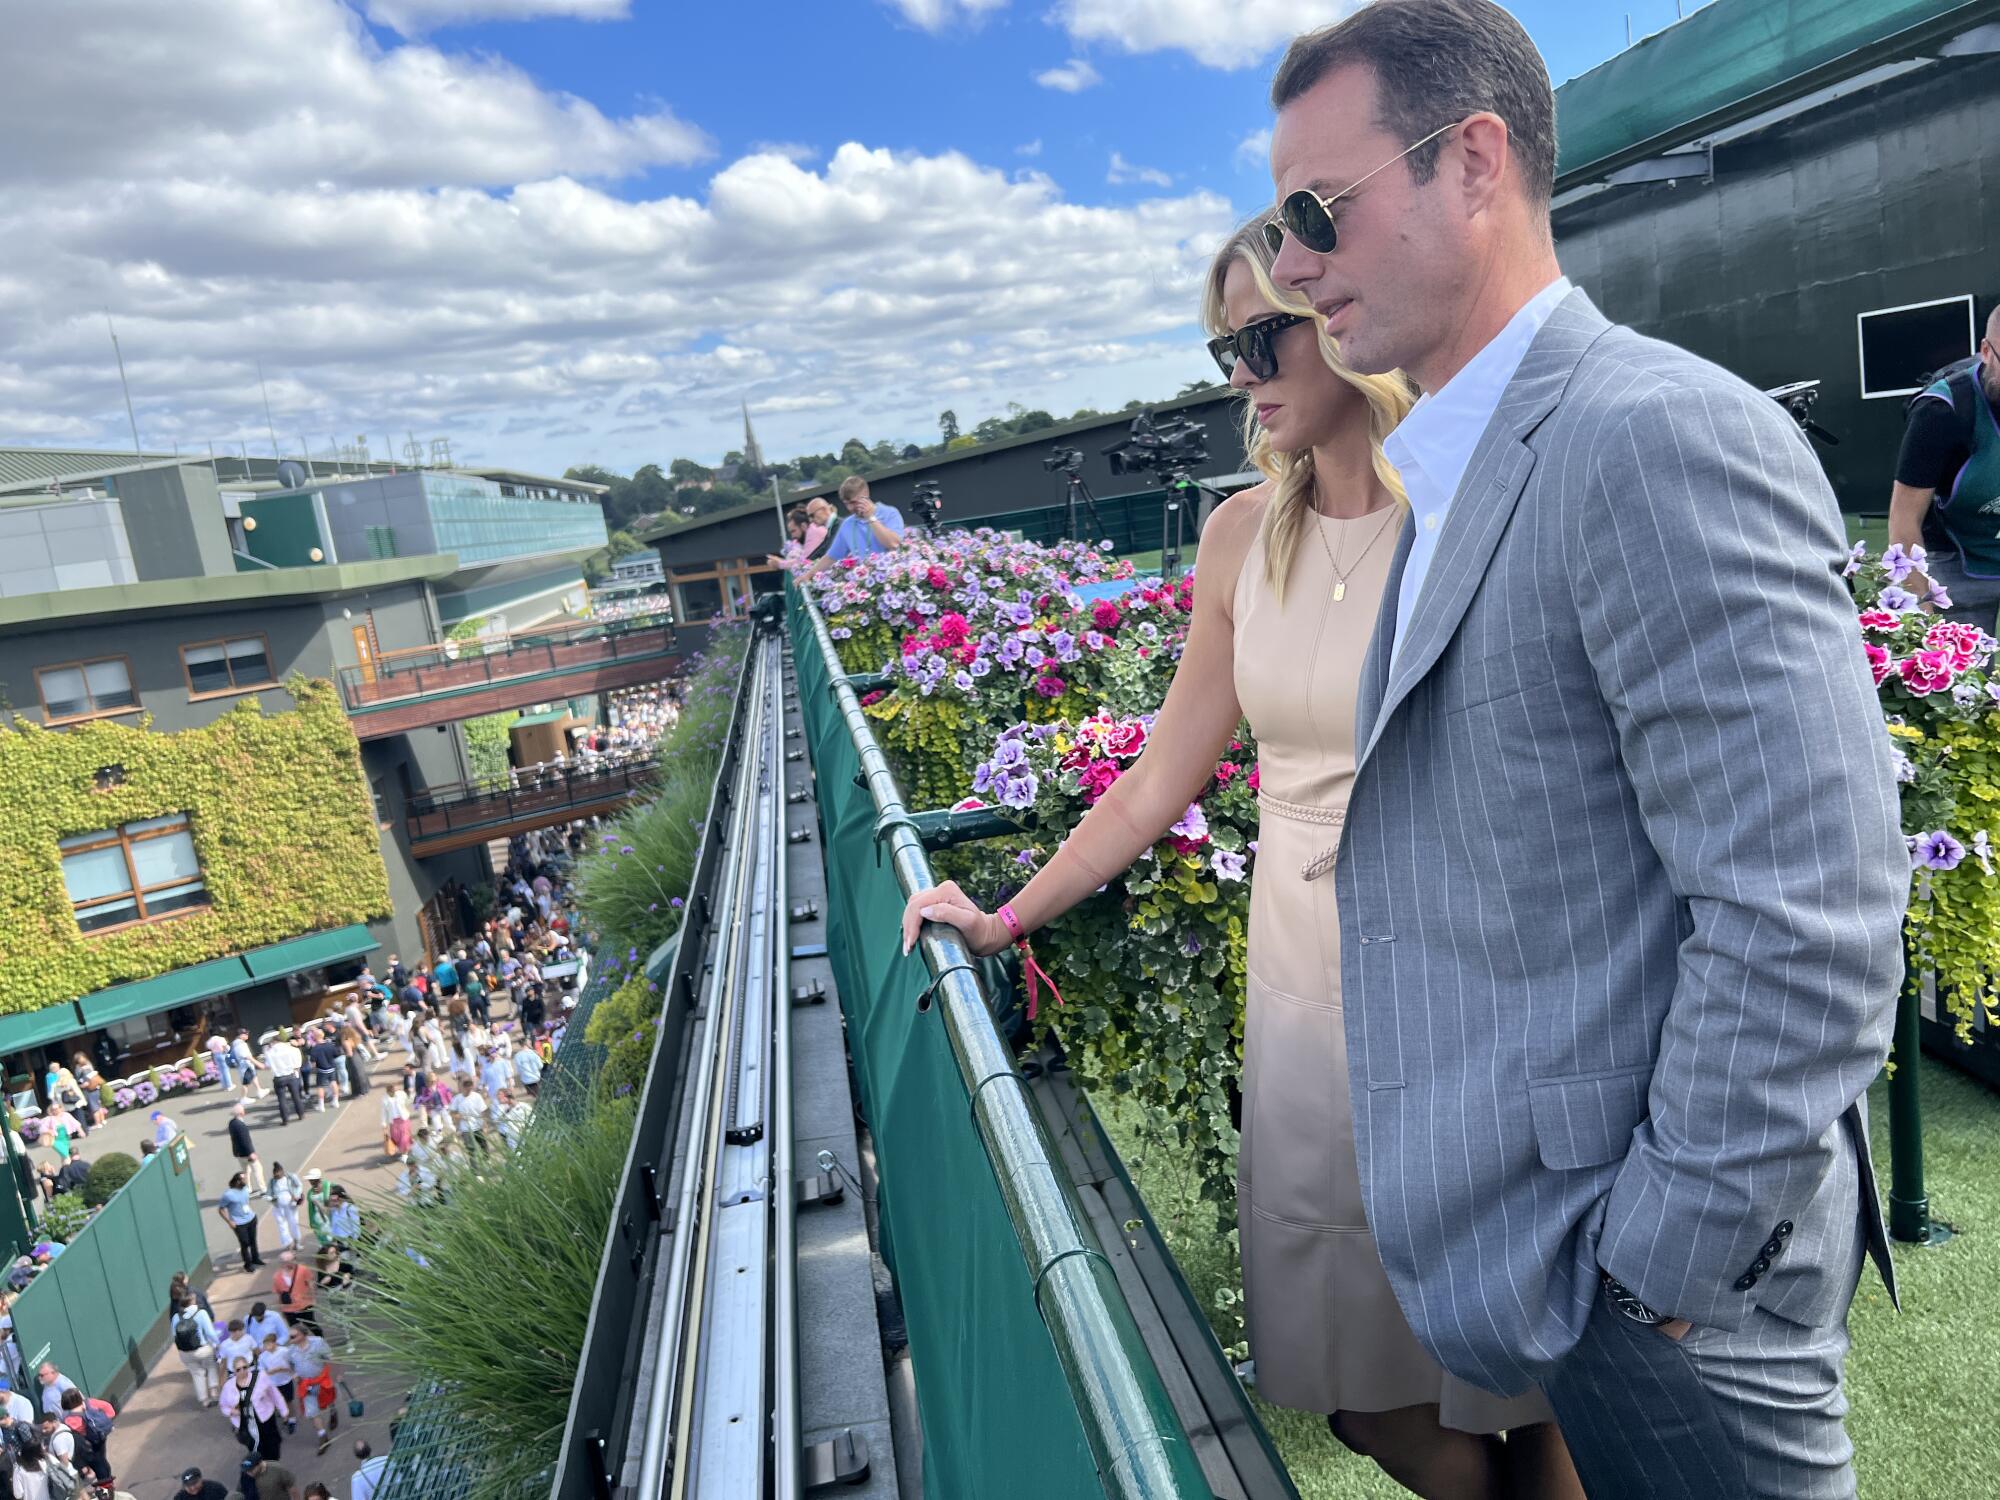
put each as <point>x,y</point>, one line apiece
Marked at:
<point>1137,1442</point>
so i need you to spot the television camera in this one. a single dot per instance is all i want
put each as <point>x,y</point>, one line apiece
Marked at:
<point>1168,449</point>
<point>1798,399</point>
<point>927,502</point>
<point>1069,463</point>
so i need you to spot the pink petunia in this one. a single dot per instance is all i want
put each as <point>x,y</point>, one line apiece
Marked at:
<point>1925,672</point>
<point>1879,619</point>
<point>1878,661</point>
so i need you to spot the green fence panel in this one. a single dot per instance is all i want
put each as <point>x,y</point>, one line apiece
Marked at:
<point>999,1418</point>
<point>94,1311</point>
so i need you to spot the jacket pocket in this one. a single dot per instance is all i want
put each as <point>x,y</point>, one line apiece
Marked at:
<point>1587,1119</point>
<point>1497,675</point>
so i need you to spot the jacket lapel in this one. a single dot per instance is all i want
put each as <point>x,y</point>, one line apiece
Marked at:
<point>1375,668</point>
<point>1479,513</point>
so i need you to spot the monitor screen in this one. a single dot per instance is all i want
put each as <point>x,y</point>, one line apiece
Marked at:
<point>1901,346</point>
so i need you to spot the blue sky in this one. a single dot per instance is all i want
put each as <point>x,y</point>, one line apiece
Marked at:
<point>559,231</point>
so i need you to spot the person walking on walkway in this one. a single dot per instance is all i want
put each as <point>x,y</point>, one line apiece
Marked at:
<point>54,1385</point>
<point>313,1378</point>
<point>254,1409</point>
<point>194,1487</point>
<point>224,1059</point>
<point>195,1341</point>
<point>317,1189</point>
<point>294,1285</point>
<point>286,1060</point>
<point>247,1066</point>
<point>243,1148</point>
<point>287,1192</point>
<point>395,1121</point>
<point>236,1212</point>
<point>235,1344</point>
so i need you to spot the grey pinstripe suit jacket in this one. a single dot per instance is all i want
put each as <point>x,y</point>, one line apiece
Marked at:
<point>1622,880</point>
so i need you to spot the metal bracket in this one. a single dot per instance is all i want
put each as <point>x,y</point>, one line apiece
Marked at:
<point>803,794</point>
<point>800,836</point>
<point>795,755</point>
<point>808,950</point>
<point>838,1460</point>
<point>813,993</point>
<point>821,1190</point>
<point>793,733</point>
<point>649,1183</point>
<point>804,911</point>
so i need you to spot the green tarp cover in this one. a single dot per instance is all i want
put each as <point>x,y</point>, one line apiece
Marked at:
<point>32,1028</point>
<point>998,1418</point>
<point>180,987</point>
<point>309,952</point>
<point>1723,54</point>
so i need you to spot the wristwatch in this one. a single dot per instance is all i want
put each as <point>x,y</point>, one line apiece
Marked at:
<point>1628,1304</point>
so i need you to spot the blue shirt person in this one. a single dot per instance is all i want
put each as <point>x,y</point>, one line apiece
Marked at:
<point>868,529</point>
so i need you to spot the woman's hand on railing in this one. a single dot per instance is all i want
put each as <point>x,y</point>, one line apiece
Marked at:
<point>983,932</point>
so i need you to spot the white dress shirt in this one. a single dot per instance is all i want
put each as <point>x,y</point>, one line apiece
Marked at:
<point>1432,447</point>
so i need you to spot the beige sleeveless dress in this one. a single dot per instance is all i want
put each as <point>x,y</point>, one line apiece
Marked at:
<point>1324,1327</point>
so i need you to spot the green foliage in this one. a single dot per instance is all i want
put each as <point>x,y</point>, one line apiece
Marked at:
<point>280,815</point>
<point>532,1222</point>
<point>926,738</point>
<point>488,739</point>
<point>64,1216</point>
<point>624,1024</point>
<point>108,1174</point>
<point>106,1095</point>
<point>466,629</point>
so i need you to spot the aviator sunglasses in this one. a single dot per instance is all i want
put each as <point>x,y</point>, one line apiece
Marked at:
<point>1252,345</point>
<point>1308,218</point>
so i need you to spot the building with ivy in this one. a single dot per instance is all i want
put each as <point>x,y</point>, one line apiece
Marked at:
<point>205,826</point>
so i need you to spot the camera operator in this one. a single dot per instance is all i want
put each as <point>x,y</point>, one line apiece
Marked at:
<point>1951,449</point>
<point>868,529</point>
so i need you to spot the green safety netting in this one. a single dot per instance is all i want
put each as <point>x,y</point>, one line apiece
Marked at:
<point>998,1416</point>
<point>1729,54</point>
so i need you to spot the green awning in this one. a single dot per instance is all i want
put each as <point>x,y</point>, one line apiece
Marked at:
<point>309,952</point>
<point>31,1028</point>
<point>180,987</point>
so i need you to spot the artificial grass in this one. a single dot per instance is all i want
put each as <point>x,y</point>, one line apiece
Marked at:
<point>1919,1383</point>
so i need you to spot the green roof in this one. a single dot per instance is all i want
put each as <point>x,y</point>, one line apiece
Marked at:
<point>121,1002</point>
<point>29,465</point>
<point>193,595</point>
<point>1732,60</point>
<point>175,987</point>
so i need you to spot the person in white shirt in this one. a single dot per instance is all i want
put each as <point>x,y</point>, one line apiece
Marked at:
<point>369,1476</point>
<point>286,1060</point>
<point>528,1068</point>
<point>22,1408</point>
<point>246,1066</point>
<point>234,1345</point>
<point>469,1110</point>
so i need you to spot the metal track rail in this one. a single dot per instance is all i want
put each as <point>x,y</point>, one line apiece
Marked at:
<point>722,1415</point>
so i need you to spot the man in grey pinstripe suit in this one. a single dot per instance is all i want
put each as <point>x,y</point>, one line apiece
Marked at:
<point>1622,883</point>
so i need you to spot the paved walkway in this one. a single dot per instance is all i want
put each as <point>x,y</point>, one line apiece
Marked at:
<point>160,1429</point>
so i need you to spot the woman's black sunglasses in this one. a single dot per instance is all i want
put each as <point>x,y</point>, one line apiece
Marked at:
<point>1252,344</point>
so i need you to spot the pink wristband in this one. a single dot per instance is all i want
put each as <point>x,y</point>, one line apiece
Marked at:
<point>1012,923</point>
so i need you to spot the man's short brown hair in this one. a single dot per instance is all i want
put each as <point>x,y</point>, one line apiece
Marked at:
<point>1435,62</point>
<point>851,486</point>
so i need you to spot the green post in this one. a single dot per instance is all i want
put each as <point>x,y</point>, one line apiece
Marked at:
<point>1909,1205</point>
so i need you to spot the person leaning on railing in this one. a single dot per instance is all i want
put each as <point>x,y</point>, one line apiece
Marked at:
<point>868,529</point>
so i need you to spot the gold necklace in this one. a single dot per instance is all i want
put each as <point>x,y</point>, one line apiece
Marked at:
<point>1339,576</point>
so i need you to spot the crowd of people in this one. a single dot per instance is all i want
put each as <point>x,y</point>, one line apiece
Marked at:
<point>626,606</point>
<point>634,720</point>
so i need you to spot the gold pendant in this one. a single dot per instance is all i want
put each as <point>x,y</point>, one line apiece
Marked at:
<point>1339,591</point>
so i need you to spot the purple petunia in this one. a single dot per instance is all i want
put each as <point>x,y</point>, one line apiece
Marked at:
<point>1897,601</point>
<point>1937,850</point>
<point>1228,864</point>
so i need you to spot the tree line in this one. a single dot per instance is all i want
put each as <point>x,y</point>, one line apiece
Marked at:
<point>686,491</point>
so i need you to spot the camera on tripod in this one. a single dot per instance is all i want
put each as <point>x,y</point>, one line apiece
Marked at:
<point>927,500</point>
<point>1164,447</point>
<point>1064,461</point>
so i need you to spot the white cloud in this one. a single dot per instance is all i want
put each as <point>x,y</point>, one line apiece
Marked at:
<point>1072,77</point>
<point>414,17</point>
<point>292,94</point>
<point>1125,171</point>
<point>1232,35</point>
<point>936,15</point>
<point>796,151</point>
<point>469,272</point>
<point>1253,152</point>
<point>1032,148</point>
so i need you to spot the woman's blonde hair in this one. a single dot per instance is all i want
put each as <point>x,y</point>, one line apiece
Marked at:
<point>1389,398</point>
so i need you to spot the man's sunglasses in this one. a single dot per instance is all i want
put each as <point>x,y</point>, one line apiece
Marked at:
<point>1252,345</point>
<point>1308,218</point>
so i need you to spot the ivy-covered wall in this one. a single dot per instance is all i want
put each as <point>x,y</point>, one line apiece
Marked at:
<point>280,815</point>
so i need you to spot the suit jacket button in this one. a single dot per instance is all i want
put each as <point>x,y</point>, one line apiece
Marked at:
<point>1773,1245</point>
<point>1745,1282</point>
<point>1785,1230</point>
<point>1759,1266</point>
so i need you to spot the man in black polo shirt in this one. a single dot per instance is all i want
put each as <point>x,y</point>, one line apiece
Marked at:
<point>1947,491</point>
<point>194,1487</point>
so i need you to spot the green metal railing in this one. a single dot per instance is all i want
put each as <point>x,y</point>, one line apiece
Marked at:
<point>980,1327</point>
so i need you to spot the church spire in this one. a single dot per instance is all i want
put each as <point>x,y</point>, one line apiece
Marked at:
<point>753,456</point>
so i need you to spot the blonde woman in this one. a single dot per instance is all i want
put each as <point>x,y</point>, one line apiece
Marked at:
<point>1292,574</point>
